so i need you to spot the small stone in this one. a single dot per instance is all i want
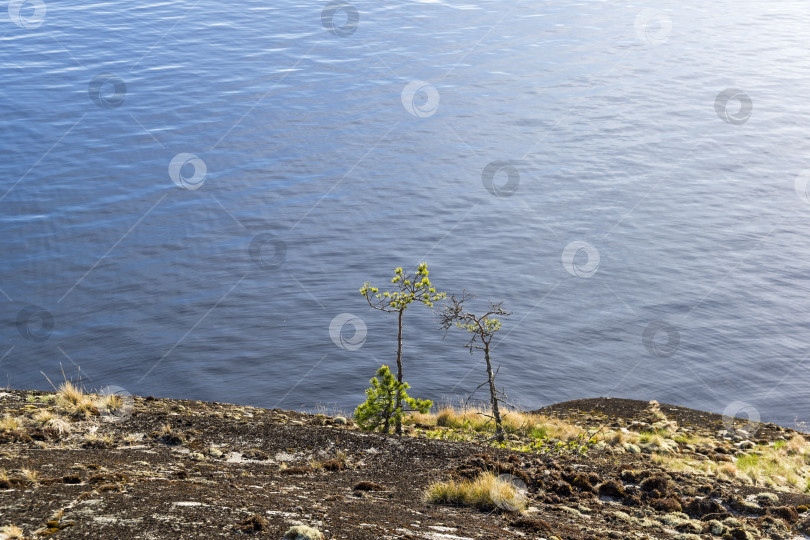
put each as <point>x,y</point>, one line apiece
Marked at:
<point>367,486</point>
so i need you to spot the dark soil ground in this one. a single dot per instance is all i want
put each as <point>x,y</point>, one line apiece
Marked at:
<point>226,471</point>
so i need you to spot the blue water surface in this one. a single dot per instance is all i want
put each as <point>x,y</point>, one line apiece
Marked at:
<point>629,179</point>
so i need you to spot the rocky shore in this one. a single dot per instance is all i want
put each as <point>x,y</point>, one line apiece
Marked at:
<point>163,468</point>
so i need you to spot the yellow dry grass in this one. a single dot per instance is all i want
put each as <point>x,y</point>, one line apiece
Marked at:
<point>464,418</point>
<point>10,423</point>
<point>705,467</point>
<point>73,401</point>
<point>517,422</point>
<point>782,465</point>
<point>30,475</point>
<point>109,403</point>
<point>47,418</point>
<point>43,417</point>
<point>621,437</point>
<point>12,532</point>
<point>485,492</point>
<point>61,425</point>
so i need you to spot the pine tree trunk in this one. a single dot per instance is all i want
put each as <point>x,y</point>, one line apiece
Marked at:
<point>493,397</point>
<point>387,415</point>
<point>399,372</point>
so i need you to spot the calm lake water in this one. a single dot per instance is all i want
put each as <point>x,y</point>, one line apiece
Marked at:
<point>192,193</point>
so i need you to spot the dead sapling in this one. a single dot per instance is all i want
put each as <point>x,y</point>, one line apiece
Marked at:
<point>483,328</point>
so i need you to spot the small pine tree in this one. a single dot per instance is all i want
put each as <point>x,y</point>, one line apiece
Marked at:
<point>410,288</point>
<point>385,403</point>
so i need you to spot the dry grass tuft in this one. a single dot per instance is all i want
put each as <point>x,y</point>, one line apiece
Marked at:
<point>559,429</point>
<point>110,403</point>
<point>729,470</point>
<point>621,437</point>
<point>10,423</point>
<point>73,401</point>
<point>485,492</point>
<point>518,421</point>
<point>61,425</point>
<point>478,420</point>
<point>43,417</point>
<point>12,532</point>
<point>53,421</point>
<point>705,467</point>
<point>419,418</point>
<point>30,475</point>
<point>460,419</point>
